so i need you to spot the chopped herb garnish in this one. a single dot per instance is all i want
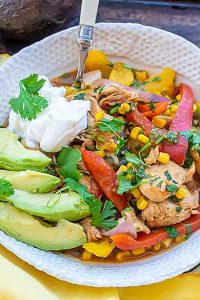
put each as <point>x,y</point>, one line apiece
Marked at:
<point>114,109</point>
<point>172,188</point>
<point>152,106</point>
<point>68,159</point>
<point>172,136</point>
<point>160,184</point>
<point>110,125</point>
<point>178,209</point>
<point>154,180</point>
<point>172,232</point>
<point>110,65</point>
<point>29,103</point>
<point>155,79</point>
<point>134,159</point>
<point>80,96</point>
<point>100,89</point>
<point>103,215</point>
<point>120,145</point>
<point>168,175</point>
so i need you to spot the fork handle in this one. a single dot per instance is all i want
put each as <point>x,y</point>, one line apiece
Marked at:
<point>89,12</point>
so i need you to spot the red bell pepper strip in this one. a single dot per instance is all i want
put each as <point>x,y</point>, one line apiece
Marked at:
<point>125,241</point>
<point>181,122</point>
<point>105,177</point>
<point>159,108</point>
<point>140,120</point>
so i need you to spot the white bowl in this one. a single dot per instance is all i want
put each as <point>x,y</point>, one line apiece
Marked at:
<point>140,46</point>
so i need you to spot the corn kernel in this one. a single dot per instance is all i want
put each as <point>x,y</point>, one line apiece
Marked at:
<point>172,115</point>
<point>142,203</point>
<point>174,108</point>
<point>99,115</point>
<point>142,138</point>
<point>140,76</point>
<point>122,168</point>
<point>139,251</point>
<point>121,118</point>
<point>100,153</point>
<point>135,132</point>
<point>163,157</point>
<point>129,176</point>
<point>157,247</point>
<point>110,146</point>
<point>194,108</point>
<point>159,122</point>
<point>86,255</point>
<point>124,108</point>
<point>129,165</point>
<point>180,194</point>
<point>180,239</point>
<point>167,112</point>
<point>136,193</point>
<point>167,243</point>
<point>178,97</point>
<point>122,255</point>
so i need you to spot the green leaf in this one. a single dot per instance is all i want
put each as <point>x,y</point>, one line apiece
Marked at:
<point>103,215</point>
<point>172,232</point>
<point>29,104</point>
<point>172,137</point>
<point>68,159</point>
<point>6,188</point>
<point>155,79</point>
<point>100,89</point>
<point>114,109</point>
<point>152,106</point>
<point>110,125</point>
<point>120,144</point>
<point>134,159</point>
<point>168,175</point>
<point>172,188</point>
<point>80,96</point>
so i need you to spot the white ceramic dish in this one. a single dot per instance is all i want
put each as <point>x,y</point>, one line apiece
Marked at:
<point>144,47</point>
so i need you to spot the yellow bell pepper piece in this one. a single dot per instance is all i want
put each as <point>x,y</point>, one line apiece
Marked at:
<point>121,74</point>
<point>97,60</point>
<point>101,248</point>
<point>161,83</point>
<point>140,76</point>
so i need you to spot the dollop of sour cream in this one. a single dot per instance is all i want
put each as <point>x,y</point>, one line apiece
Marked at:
<point>57,125</point>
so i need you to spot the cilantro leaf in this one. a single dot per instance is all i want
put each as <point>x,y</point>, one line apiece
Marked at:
<point>110,125</point>
<point>172,136</point>
<point>102,214</point>
<point>134,159</point>
<point>172,232</point>
<point>80,96</point>
<point>152,106</point>
<point>68,159</point>
<point>6,188</point>
<point>120,144</point>
<point>125,184</point>
<point>168,175</point>
<point>114,109</point>
<point>172,188</point>
<point>28,103</point>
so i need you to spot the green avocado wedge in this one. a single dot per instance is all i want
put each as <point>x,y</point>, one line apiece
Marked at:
<point>51,207</point>
<point>27,229</point>
<point>14,157</point>
<point>31,181</point>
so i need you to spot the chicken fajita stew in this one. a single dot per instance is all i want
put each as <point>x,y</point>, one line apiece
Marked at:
<point>107,172</point>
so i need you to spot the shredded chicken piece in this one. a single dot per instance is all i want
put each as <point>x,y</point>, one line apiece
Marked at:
<point>193,186</point>
<point>138,224</point>
<point>167,213</point>
<point>114,94</point>
<point>153,156</point>
<point>190,173</point>
<point>94,108</point>
<point>93,234</point>
<point>155,188</point>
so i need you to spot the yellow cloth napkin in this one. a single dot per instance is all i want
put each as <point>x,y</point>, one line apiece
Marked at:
<point>20,281</point>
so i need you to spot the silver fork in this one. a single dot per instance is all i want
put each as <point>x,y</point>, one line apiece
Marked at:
<point>87,21</point>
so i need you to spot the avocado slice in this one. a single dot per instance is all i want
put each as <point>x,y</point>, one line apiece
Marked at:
<point>14,157</point>
<point>51,207</point>
<point>27,229</point>
<point>31,181</point>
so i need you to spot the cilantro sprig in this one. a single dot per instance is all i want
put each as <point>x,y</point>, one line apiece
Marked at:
<point>29,103</point>
<point>103,214</point>
<point>6,188</point>
<point>68,159</point>
<point>113,125</point>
